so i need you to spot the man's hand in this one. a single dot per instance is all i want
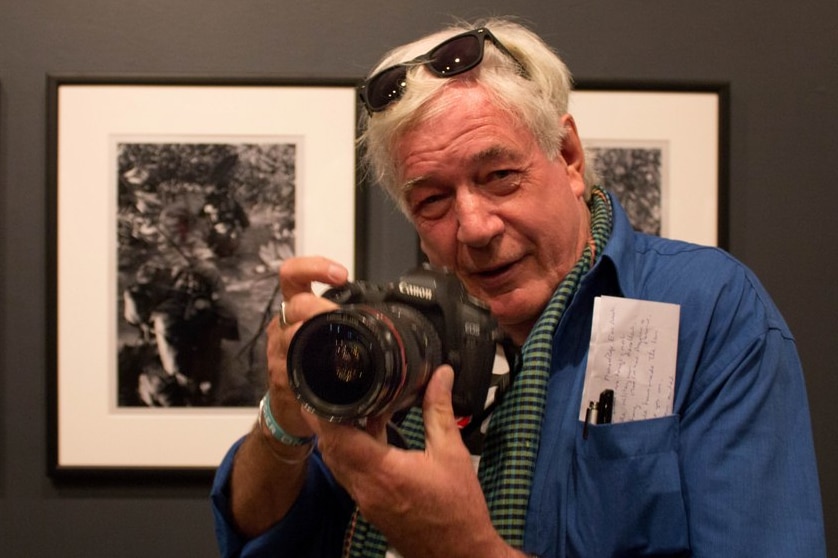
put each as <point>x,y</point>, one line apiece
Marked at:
<point>267,475</point>
<point>296,276</point>
<point>426,503</point>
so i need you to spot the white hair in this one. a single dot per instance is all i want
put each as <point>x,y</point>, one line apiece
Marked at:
<point>538,96</point>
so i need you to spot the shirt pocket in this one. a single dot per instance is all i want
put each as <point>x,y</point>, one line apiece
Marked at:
<point>626,494</point>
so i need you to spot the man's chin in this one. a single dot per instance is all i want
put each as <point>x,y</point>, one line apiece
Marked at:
<point>521,305</point>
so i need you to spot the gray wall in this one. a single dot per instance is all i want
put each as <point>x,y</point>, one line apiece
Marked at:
<point>780,58</point>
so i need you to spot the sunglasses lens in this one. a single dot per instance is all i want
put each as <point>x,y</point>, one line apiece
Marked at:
<point>456,56</point>
<point>386,87</point>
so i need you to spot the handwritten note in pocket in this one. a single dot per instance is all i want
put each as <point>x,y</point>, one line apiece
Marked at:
<point>634,345</point>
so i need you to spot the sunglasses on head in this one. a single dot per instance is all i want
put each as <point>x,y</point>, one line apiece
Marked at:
<point>451,57</point>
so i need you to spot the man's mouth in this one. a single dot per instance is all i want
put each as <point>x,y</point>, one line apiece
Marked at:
<point>495,271</point>
<point>494,274</point>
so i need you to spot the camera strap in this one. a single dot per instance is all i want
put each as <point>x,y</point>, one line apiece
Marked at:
<point>474,431</point>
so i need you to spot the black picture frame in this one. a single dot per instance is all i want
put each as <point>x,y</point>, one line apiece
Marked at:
<point>687,125</point>
<point>105,136</point>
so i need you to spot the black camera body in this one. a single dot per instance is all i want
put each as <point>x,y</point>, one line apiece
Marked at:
<point>376,353</point>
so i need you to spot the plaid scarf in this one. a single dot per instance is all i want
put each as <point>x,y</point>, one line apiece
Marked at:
<point>507,464</point>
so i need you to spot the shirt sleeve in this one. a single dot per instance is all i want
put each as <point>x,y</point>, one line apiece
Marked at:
<point>746,451</point>
<point>313,527</point>
<point>732,472</point>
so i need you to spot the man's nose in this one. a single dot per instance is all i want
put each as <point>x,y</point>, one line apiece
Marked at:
<point>477,221</point>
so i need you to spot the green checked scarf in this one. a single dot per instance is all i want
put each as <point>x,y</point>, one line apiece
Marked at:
<point>511,445</point>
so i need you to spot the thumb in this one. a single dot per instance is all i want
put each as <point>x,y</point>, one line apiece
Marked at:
<point>437,408</point>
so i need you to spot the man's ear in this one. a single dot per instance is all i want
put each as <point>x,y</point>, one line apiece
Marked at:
<point>573,154</point>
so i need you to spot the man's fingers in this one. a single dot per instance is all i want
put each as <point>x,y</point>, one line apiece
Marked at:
<point>437,407</point>
<point>297,274</point>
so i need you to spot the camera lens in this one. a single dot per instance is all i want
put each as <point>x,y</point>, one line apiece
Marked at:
<point>340,357</point>
<point>359,361</point>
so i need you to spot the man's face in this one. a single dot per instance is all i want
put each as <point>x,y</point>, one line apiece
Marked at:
<point>489,205</point>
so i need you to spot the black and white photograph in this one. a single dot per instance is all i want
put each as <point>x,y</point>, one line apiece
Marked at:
<point>172,203</point>
<point>635,174</point>
<point>201,231</point>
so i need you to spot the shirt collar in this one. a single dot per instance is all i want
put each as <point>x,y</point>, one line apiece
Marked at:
<point>613,273</point>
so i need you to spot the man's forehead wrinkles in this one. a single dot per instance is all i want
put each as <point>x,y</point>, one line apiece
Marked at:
<point>492,153</point>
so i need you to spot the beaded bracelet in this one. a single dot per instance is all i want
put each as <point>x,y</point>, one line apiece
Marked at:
<point>276,431</point>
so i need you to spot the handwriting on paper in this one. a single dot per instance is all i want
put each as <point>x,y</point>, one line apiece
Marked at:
<point>633,351</point>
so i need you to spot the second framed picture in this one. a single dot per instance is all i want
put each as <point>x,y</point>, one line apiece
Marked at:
<point>172,203</point>
<point>661,148</point>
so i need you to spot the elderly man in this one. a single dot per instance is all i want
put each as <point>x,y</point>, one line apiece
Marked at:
<point>468,131</point>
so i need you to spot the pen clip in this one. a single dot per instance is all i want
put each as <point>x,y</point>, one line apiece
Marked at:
<point>606,406</point>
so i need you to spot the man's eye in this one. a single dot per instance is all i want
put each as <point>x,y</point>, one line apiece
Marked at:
<point>500,174</point>
<point>502,180</point>
<point>430,207</point>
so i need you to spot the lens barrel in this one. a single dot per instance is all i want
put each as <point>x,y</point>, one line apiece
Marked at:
<point>362,360</point>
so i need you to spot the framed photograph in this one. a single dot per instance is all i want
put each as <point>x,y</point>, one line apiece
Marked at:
<point>662,150</point>
<point>172,204</point>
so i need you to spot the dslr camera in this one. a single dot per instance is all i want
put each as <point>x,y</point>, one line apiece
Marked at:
<point>376,353</point>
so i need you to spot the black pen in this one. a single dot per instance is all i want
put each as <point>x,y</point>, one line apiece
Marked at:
<point>606,406</point>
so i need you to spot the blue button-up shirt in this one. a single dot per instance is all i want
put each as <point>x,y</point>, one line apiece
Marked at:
<point>731,472</point>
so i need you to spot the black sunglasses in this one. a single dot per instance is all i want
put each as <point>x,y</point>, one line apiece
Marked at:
<point>451,57</point>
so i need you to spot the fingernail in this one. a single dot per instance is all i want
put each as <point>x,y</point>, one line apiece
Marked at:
<point>448,379</point>
<point>337,273</point>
